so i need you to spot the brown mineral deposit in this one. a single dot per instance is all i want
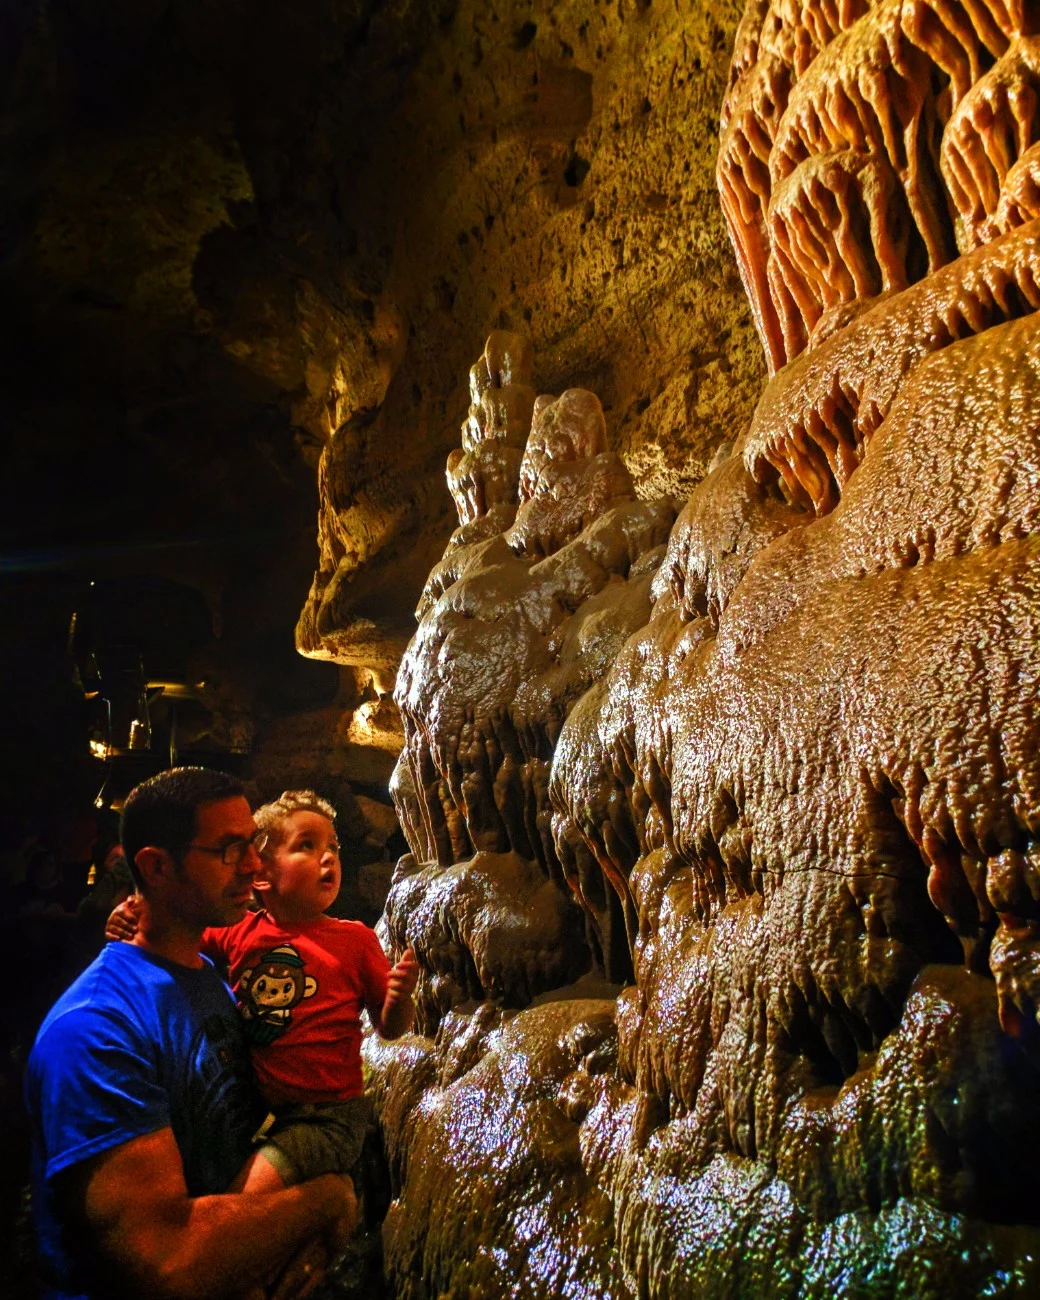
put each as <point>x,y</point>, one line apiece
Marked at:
<point>773,763</point>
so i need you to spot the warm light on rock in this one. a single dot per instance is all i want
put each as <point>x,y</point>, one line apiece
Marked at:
<point>773,765</point>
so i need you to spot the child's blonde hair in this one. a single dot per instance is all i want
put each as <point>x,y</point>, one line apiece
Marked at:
<point>270,816</point>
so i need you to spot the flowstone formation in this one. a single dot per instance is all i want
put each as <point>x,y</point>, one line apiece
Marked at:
<point>771,765</point>
<point>548,574</point>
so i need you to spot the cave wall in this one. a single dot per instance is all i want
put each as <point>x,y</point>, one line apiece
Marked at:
<point>768,761</point>
<point>249,252</point>
<point>543,168</point>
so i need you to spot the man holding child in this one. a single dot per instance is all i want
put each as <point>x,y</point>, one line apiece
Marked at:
<point>147,1174</point>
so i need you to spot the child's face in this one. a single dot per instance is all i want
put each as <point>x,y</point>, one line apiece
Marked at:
<point>300,876</point>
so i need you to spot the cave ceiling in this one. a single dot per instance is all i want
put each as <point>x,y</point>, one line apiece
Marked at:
<point>233,229</point>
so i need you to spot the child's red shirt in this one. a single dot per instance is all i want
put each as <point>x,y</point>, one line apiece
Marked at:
<point>301,990</point>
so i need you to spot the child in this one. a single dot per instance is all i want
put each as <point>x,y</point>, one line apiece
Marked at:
<point>301,980</point>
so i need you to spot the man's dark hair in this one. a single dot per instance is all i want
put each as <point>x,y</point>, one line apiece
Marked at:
<point>163,810</point>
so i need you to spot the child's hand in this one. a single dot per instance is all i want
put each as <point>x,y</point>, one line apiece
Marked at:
<point>123,921</point>
<point>401,982</point>
<point>398,1008</point>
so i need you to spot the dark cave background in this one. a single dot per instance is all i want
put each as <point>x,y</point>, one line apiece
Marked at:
<point>170,174</point>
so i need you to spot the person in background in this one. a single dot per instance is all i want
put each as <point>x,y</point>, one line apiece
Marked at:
<point>43,892</point>
<point>43,934</point>
<point>109,884</point>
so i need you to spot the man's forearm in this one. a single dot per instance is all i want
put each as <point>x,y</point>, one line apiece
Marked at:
<point>213,1247</point>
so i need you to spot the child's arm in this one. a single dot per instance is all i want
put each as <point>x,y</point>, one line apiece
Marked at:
<point>398,1011</point>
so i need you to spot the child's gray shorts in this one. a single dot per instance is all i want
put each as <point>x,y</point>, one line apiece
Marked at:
<point>305,1140</point>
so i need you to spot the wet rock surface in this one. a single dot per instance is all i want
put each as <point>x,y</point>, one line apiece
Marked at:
<point>776,748</point>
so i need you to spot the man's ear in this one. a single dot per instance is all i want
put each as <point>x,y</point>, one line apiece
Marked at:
<point>154,864</point>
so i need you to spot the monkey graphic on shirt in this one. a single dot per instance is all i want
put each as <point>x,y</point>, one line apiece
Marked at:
<point>268,991</point>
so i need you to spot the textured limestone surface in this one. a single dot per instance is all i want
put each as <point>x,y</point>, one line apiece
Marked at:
<point>535,167</point>
<point>766,756</point>
<point>494,1093</point>
<point>548,573</point>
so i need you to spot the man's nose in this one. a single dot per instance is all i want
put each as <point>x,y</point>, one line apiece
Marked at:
<point>250,863</point>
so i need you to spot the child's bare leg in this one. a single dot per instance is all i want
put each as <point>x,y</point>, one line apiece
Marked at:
<point>340,1234</point>
<point>260,1174</point>
<point>302,1273</point>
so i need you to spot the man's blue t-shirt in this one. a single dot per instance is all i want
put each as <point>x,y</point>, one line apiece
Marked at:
<point>137,1044</point>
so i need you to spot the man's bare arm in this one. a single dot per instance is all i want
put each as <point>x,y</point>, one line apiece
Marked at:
<point>163,1243</point>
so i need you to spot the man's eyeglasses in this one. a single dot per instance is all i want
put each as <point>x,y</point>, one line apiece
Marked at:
<point>232,854</point>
